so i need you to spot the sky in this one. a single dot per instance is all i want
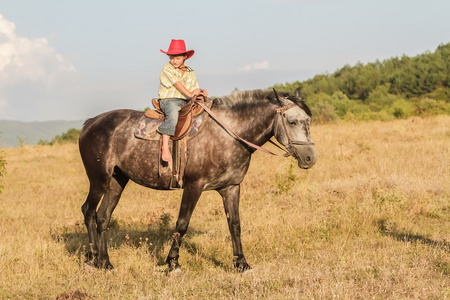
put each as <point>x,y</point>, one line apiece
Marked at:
<point>72,60</point>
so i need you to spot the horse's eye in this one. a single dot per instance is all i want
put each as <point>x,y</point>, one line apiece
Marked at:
<point>293,123</point>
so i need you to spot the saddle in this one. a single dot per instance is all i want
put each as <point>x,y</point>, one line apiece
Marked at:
<point>185,116</point>
<point>183,129</point>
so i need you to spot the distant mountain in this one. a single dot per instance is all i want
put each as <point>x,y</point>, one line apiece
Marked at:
<point>31,132</point>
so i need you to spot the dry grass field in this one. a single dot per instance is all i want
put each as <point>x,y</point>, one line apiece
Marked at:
<point>371,220</point>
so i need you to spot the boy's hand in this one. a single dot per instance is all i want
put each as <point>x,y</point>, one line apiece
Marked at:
<point>200,93</point>
<point>196,92</point>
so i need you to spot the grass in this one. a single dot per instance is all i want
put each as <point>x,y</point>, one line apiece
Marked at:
<point>370,221</point>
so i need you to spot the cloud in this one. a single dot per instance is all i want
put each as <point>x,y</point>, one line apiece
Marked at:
<point>263,65</point>
<point>32,73</point>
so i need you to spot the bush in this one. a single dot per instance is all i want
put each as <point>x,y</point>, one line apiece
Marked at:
<point>2,169</point>
<point>380,98</point>
<point>345,106</point>
<point>71,136</point>
<point>427,107</point>
<point>402,109</point>
<point>324,112</point>
<point>341,103</point>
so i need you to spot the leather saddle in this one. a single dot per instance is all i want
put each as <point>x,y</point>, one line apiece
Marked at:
<point>185,116</point>
<point>179,145</point>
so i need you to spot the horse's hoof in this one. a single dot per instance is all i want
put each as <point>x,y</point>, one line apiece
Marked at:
<point>174,267</point>
<point>242,267</point>
<point>106,265</point>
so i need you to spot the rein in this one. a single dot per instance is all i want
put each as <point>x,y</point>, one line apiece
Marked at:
<point>279,114</point>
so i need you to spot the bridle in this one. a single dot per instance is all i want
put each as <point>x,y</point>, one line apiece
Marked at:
<point>279,115</point>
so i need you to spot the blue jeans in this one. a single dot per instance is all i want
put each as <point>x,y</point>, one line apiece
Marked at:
<point>171,107</point>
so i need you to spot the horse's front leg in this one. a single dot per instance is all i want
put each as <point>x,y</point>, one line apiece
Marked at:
<point>230,196</point>
<point>191,194</point>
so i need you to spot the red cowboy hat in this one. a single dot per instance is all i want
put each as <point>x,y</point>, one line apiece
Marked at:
<point>178,47</point>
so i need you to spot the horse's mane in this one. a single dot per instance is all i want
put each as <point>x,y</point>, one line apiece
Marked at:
<point>255,96</point>
<point>246,97</point>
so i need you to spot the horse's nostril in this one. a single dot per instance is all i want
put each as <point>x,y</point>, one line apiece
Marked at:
<point>308,159</point>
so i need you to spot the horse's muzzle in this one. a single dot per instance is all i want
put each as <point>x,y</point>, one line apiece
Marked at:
<point>305,155</point>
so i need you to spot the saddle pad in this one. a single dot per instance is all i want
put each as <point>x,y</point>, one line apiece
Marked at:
<point>146,128</point>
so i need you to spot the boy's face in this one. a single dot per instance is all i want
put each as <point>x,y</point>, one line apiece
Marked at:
<point>177,60</point>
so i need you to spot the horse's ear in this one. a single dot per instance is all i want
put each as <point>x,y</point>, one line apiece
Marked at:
<point>298,93</point>
<point>282,102</point>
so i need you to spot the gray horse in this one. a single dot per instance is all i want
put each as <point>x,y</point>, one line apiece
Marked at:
<point>215,161</point>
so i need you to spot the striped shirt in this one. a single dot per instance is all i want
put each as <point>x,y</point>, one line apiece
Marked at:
<point>169,76</point>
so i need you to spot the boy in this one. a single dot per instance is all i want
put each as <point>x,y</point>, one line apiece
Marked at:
<point>177,85</point>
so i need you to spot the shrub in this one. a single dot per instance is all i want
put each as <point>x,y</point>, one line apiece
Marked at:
<point>286,181</point>
<point>344,106</point>
<point>380,98</point>
<point>402,109</point>
<point>324,112</point>
<point>427,107</point>
<point>71,136</point>
<point>341,103</point>
<point>2,169</point>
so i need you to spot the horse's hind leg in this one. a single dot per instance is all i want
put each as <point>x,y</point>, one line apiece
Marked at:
<point>89,209</point>
<point>109,203</point>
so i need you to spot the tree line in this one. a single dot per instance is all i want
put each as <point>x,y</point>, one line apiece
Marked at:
<point>381,90</point>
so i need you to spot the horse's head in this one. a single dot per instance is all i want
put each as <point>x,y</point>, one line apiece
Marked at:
<point>291,129</point>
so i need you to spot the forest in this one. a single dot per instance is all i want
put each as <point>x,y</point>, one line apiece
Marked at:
<point>395,88</point>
